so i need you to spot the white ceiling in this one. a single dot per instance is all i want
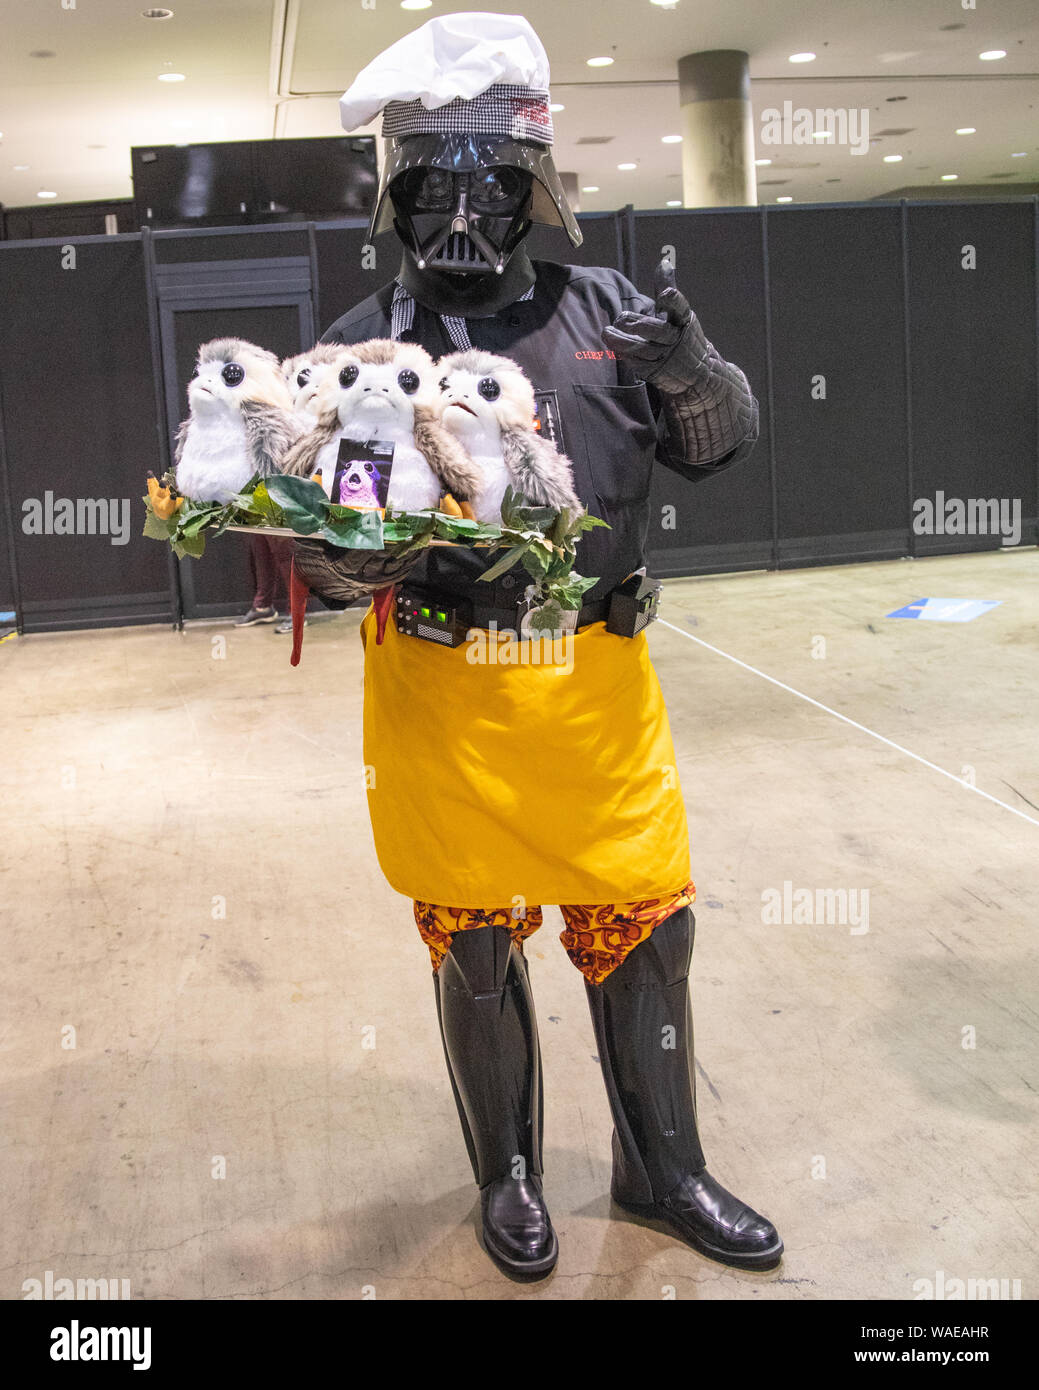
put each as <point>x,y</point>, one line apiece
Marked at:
<point>263,68</point>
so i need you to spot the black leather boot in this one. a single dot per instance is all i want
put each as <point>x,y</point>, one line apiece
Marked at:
<point>490,1039</point>
<point>644,1030</point>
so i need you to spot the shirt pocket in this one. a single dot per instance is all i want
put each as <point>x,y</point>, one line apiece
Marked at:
<point>619,437</point>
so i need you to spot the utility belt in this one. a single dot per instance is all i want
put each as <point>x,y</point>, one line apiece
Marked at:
<point>438,616</point>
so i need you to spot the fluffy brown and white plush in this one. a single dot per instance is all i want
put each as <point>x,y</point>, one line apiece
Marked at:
<point>305,372</point>
<point>488,405</point>
<point>241,421</point>
<point>387,391</point>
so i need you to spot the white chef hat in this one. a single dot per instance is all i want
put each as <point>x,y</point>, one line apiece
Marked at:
<point>476,73</point>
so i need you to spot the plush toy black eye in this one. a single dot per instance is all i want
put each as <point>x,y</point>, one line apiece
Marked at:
<point>233,374</point>
<point>443,383</point>
<point>407,380</point>
<point>303,377</point>
<point>369,467</point>
<point>489,388</point>
<point>349,375</point>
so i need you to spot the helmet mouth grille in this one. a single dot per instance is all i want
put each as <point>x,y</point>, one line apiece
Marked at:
<point>459,252</point>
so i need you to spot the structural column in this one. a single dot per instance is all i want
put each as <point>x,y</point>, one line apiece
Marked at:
<point>717,130</point>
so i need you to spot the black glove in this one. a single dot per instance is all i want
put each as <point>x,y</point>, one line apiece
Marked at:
<point>342,576</point>
<point>668,349</point>
<point>707,401</point>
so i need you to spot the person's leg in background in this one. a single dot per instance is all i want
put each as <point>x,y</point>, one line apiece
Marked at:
<point>263,571</point>
<point>635,958</point>
<point>486,1014</point>
<point>281,554</point>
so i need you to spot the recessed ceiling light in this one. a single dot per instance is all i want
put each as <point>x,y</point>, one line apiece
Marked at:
<point>415,4</point>
<point>671,139</point>
<point>822,134</point>
<point>949,177</point>
<point>627,166</point>
<point>674,202</point>
<point>664,4</point>
<point>590,188</point>
<point>556,106</point>
<point>786,198</point>
<point>990,55</point>
<point>802,58</point>
<point>967,130</point>
<point>44,193</point>
<point>171,77</point>
<point>892,159</point>
<point>599,62</point>
<point>1020,154</point>
<point>20,168</point>
<point>156,14</point>
<point>762,161</point>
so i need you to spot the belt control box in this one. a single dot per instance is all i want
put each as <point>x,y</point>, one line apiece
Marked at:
<point>633,605</point>
<point>445,619</point>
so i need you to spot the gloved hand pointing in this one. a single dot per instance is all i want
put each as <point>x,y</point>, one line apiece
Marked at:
<point>668,349</point>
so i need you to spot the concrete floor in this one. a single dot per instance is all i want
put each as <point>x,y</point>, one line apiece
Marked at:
<point>187,878</point>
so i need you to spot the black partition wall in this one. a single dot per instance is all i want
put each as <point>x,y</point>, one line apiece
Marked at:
<point>726,522</point>
<point>78,431</point>
<point>892,349</point>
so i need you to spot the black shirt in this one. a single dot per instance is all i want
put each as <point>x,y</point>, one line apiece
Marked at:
<point>610,421</point>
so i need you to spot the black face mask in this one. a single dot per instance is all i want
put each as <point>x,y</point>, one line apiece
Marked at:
<point>463,223</point>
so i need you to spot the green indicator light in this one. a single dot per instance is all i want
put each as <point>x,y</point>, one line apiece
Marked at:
<point>441,617</point>
<point>425,612</point>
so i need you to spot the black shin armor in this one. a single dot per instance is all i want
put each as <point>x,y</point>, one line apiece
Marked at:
<point>490,1040</point>
<point>644,1031</point>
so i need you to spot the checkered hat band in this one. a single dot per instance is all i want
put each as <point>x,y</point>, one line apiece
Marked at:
<point>503,110</point>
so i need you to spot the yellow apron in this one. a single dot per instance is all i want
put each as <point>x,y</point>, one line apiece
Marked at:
<point>551,783</point>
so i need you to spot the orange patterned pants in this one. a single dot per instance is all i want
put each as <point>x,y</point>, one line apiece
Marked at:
<point>597,938</point>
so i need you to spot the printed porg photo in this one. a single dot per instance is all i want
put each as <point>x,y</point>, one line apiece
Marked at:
<point>362,474</point>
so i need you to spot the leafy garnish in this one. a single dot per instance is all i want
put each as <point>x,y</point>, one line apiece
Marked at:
<point>543,539</point>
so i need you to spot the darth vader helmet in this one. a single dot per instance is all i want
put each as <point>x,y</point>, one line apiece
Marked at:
<point>463,199</point>
<point>468,129</point>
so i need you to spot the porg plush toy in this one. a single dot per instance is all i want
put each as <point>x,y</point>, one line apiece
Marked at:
<point>305,372</point>
<point>387,392</point>
<point>241,421</point>
<point>487,403</point>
